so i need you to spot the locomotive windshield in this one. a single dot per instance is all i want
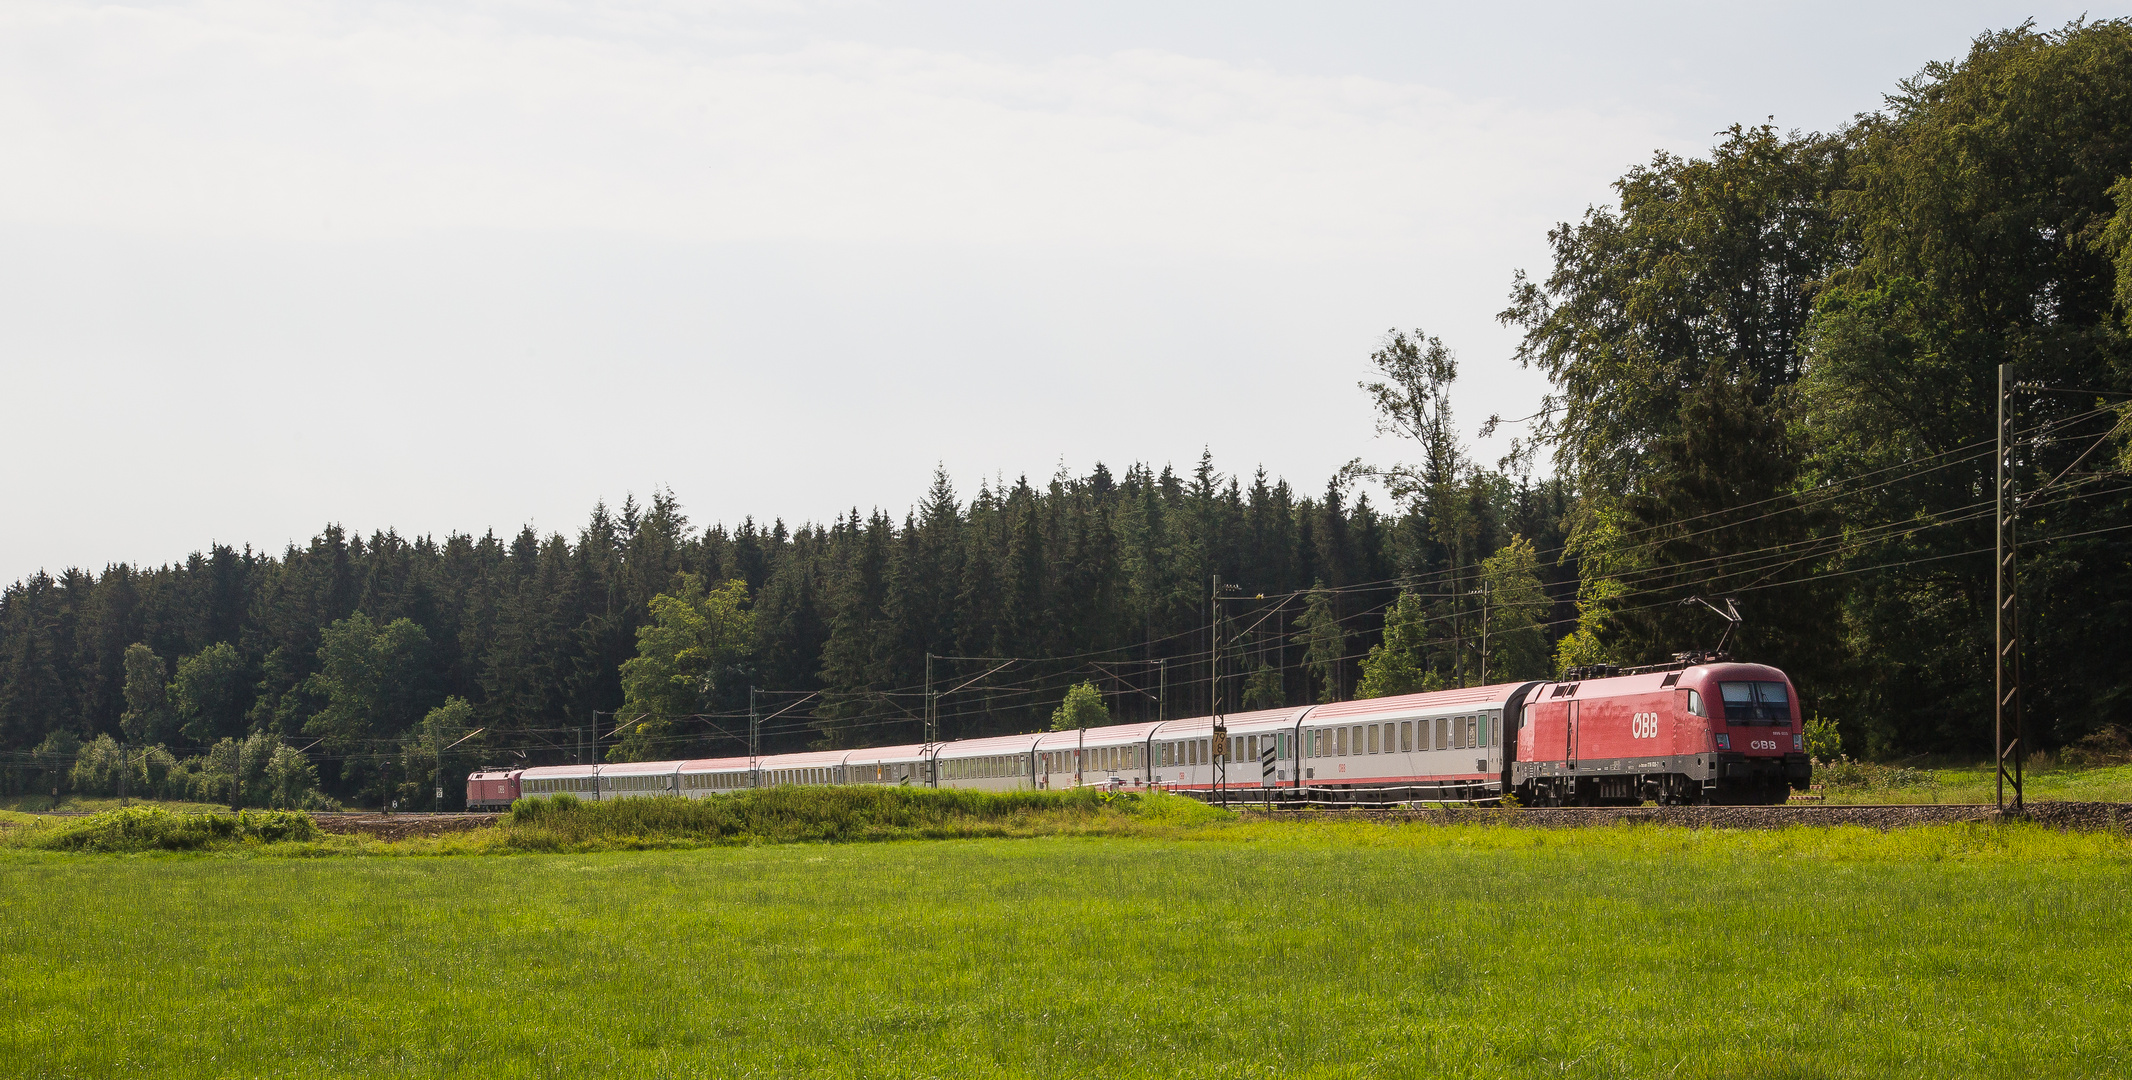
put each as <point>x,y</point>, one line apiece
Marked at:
<point>1756,702</point>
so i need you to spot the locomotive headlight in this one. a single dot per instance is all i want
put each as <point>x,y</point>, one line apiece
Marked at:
<point>1798,740</point>
<point>1724,742</point>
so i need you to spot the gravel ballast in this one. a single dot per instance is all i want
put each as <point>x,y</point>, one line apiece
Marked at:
<point>2115,817</point>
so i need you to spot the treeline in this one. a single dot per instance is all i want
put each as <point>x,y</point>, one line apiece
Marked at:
<point>1776,379</point>
<point>371,654</point>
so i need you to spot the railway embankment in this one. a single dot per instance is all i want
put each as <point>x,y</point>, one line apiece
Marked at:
<point>787,816</point>
<point>402,826</point>
<point>2086,816</point>
<point>2083,816</point>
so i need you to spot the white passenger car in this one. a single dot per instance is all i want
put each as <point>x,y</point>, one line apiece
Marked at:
<point>1444,745</point>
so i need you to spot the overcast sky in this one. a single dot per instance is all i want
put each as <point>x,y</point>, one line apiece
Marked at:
<point>460,266</point>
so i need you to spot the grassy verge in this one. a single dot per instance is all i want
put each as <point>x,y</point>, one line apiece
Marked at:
<point>1973,783</point>
<point>1299,949</point>
<point>564,823</point>
<point>146,828</point>
<point>795,814</point>
<point>83,804</point>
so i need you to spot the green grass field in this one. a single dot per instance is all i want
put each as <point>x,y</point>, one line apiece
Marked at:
<point>1229,949</point>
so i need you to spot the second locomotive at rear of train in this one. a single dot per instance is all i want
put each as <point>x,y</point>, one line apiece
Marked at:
<point>1717,732</point>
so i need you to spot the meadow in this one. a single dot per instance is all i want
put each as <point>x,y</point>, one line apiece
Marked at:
<point>1198,947</point>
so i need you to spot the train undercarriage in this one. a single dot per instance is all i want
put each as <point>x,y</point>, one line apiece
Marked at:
<point>1728,780</point>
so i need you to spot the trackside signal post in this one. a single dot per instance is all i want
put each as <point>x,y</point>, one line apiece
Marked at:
<point>2006,726</point>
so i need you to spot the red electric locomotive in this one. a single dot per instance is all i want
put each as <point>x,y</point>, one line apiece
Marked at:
<point>1715,732</point>
<point>492,789</point>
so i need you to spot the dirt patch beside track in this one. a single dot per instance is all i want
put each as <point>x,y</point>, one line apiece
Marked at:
<point>2116,817</point>
<point>402,826</point>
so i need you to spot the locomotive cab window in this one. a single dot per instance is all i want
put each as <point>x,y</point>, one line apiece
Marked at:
<point>1695,705</point>
<point>1756,702</point>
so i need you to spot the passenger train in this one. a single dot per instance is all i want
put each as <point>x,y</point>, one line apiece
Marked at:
<point>1708,732</point>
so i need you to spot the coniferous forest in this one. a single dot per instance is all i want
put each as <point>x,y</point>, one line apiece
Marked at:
<point>1776,381</point>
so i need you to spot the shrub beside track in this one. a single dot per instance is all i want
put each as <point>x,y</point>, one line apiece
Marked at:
<point>831,814</point>
<point>147,828</point>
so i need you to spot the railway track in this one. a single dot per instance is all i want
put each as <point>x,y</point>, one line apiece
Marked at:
<point>2085,816</point>
<point>2063,815</point>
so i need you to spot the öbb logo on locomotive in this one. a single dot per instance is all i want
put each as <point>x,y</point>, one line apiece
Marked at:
<point>1600,737</point>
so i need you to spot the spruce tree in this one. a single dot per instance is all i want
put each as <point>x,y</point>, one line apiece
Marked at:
<point>1324,642</point>
<point>147,716</point>
<point>1397,664</point>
